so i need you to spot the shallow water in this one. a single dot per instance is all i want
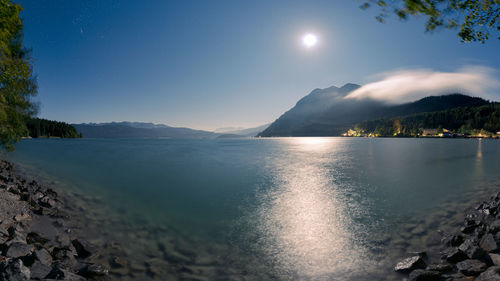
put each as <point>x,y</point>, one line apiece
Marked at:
<point>265,209</point>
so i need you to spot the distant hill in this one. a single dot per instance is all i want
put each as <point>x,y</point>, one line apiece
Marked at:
<point>38,128</point>
<point>248,132</point>
<point>469,120</point>
<point>138,130</point>
<point>326,112</point>
<point>230,136</point>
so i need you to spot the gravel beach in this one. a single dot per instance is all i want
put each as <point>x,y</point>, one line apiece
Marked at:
<point>35,243</point>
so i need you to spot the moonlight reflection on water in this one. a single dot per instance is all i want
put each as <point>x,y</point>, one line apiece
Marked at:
<point>304,219</point>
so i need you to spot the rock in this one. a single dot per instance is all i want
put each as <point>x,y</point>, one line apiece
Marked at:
<point>455,277</point>
<point>488,243</point>
<point>47,202</point>
<point>93,270</point>
<point>18,249</point>
<point>418,253</point>
<point>454,255</point>
<point>16,234</point>
<point>83,248</point>
<point>116,262</point>
<point>410,264</point>
<point>495,259</point>
<point>14,271</point>
<point>43,256</point>
<point>471,249</point>
<point>492,274</point>
<point>21,217</point>
<point>64,258</point>
<point>471,267</point>
<point>61,274</point>
<point>469,227</point>
<point>39,270</point>
<point>480,231</point>
<point>424,275</point>
<point>495,227</point>
<point>440,267</point>
<point>64,241</point>
<point>35,238</point>
<point>453,240</point>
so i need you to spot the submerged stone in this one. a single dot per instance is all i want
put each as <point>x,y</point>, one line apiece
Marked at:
<point>93,270</point>
<point>424,275</point>
<point>35,238</point>
<point>83,248</point>
<point>441,267</point>
<point>61,274</point>
<point>453,240</point>
<point>410,264</point>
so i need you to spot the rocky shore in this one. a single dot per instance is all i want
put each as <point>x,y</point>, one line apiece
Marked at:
<point>41,231</point>
<point>35,240</point>
<point>471,253</point>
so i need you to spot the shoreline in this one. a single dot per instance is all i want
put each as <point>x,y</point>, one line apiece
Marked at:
<point>470,252</point>
<point>152,268</point>
<point>35,239</point>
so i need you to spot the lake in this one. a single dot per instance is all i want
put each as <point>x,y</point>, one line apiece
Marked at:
<point>264,209</point>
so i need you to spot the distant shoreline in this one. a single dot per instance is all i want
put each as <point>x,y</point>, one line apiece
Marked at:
<point>422,137</point>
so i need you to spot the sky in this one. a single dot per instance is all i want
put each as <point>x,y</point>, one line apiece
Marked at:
<point>224,63</point>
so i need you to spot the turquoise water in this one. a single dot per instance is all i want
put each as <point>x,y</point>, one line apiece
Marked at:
<point>277,209</point>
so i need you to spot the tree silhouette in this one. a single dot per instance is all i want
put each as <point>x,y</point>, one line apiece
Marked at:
<point>476,20</point>
<point>17,83</point>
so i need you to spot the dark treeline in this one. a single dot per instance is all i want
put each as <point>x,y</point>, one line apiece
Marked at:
<point>46,128</point>
<point>461,120</point>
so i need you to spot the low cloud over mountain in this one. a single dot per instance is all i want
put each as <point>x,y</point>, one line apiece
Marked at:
<point>409,85</point>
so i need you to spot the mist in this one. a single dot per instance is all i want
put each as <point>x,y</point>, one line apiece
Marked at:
<point>409,85</point>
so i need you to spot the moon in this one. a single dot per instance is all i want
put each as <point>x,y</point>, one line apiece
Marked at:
<point>310,40</point>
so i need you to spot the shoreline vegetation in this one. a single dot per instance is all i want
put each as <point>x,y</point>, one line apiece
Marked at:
<point>43,128</point>
<point>460,122</point>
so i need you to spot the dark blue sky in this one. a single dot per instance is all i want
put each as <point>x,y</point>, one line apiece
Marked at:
<point>210,64</point>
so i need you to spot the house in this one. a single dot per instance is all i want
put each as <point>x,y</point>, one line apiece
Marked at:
<point>429,132</point>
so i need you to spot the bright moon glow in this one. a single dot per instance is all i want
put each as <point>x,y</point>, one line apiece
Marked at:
<point>309,40</point>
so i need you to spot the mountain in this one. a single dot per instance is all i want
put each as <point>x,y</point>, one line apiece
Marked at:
<point>241,132</point>
<point>326,112</point>
<point>138,130</point>
<point>228,129</point>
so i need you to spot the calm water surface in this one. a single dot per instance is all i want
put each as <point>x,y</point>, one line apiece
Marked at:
<point>275,209</point>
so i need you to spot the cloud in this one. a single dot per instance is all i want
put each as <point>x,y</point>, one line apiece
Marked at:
<point>410,85</point>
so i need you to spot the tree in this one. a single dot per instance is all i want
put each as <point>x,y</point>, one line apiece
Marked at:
<point>17,83</point>
<point>476,19</point>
